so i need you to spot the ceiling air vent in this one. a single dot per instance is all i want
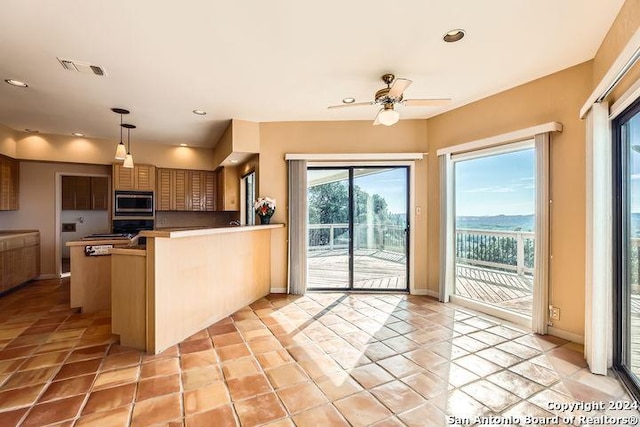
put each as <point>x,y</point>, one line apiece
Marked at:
<point>82,67</point>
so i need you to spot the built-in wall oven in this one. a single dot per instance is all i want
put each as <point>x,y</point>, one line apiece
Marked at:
<point>133,204</point>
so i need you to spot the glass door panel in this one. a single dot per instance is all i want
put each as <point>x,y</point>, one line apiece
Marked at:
<point>495,218</point>
<point>380,228</point>
<point>328,260</point>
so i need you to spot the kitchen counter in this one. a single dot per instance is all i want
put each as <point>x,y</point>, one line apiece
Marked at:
<point>187,279</point>
<point>12,233</point>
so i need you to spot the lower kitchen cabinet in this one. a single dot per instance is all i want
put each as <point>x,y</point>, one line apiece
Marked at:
<point>19,258</point>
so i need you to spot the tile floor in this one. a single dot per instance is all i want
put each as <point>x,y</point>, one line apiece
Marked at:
<point>318,360</point>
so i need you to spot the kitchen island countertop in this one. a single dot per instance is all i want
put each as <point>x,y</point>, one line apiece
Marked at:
<point>204,231</point>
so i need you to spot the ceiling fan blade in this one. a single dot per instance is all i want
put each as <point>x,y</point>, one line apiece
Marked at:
<point>398,87</point>
<point>436,102</point>
<point>376,122</point>
<point>355,104</point>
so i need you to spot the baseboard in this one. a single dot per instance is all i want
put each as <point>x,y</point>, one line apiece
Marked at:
<point>425,292</point>
<point>47,276</point>
<point>561,333</point>
<point>278,290</point>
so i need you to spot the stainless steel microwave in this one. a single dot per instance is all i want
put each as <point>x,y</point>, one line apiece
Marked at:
<point>133,203</point>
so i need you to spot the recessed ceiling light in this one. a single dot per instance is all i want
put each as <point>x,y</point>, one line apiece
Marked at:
<point>78,134</point>
<point>31,130</point>
<point>183,145</point>
<point>233,161</point>
<point>453,36</point>
<point>349,100</point>
<point>199,112</point>
<point>16,83</point>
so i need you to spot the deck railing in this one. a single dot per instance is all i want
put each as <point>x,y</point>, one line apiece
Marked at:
<point>329,237</point>
<point>503,250</point>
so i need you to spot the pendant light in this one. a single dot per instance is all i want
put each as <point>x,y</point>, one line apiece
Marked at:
<point>121,150</point>
<point>128,160</point>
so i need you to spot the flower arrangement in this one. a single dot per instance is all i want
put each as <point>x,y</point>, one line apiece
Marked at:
<point>265,207</point>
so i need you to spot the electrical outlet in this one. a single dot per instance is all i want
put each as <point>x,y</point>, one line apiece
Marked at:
<point>554,313</point>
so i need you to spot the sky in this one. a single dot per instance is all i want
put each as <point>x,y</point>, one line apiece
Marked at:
<point>501,184</point>
<point>390,184</point>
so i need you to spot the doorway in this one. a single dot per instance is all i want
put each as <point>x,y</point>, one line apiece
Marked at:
<point>494,210</point>
<point>358,228</point>
<point>626,262</point>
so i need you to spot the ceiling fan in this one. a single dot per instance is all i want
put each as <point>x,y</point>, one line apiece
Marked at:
<point>388,97</point>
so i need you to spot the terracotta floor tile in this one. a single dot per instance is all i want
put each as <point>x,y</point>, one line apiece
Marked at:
<point>233,352</point>
<point>448,350</point>
<point>19,397</point>
<point>397,396</point>
<point>492,396</point>
<point>514,383</point>
<point>274,359</point>
<point>195,345</point>
<point>264,345</point>
<point>87,353</point>
<point>206,398</point>
<point>115,417</point>
<point>477,365</point>
<point>459,404</point>
<point>10,366</point>
<point>223,417</point>
<point>399,366</point>
<point>155,411</point>
<point>240,368</point>
<point>427,384</point>
<point>400,344</point>
<point>324,415</point>
<point>259,410</point>
<point>469,344</point>
<point>541,375</point>
<point>286,375</point>
<point>424,415</point>
<point>31,377</point>
<point>221,329</point>
<point>168,353</point>
<point>519,350</point>
<point>199,359</point>
<point>362,409</point>
<point>199,377</point>
<point>371,375</point>
<point>119,361</point>
<point>53,412</point>
<point>425,358</point>
<point>110,398</point>
<point>454,374</point>
<point>158,386</point>
<point>77,369</point>
<point>338,385</point>
<point>246,387</point>
<point>226,339</point>
<point>16,353</point>
<point>67,388</point>
<point>26,340</point>
<point>12,418</point>
<point>116,377</point>
<point>301,397</point>
<point>499,357</point>
<point>160,367</point>
<point>198,335</point>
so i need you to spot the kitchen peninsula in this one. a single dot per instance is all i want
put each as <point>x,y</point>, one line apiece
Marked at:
<point>185,280</point>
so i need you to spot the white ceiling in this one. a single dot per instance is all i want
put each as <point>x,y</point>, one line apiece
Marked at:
<point>282,60</point>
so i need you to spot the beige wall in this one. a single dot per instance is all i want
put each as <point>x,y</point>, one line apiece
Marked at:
<point>246,136</point>
<point>61,148</point>
<point>7,141</point>
<point>223,148</point>
<point>38,204</point>
<point>557,97</point>
<point>277,139</point>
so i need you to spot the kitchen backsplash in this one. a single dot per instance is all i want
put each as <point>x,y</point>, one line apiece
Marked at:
<point>194,219</point>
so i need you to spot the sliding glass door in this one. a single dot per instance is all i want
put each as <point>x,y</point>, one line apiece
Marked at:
<point>358,228</point>
<point>627,245</point>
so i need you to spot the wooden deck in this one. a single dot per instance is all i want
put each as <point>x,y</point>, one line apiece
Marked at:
<point>503,289</point>
<point>379,270</point>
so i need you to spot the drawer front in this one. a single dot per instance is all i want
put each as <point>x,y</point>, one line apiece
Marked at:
<point>14,243</point>
<point>32,239</point>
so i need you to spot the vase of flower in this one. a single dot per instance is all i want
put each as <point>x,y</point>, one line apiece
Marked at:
<point>265,208</point>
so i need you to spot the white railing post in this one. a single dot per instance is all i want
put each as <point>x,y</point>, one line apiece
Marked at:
<point>520,254</point>
<point>331,237</point>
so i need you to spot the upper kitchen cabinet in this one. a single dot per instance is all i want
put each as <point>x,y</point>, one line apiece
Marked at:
<point>140,177</point>
<point>9,183</point>
<point>85,193</point>
<point>227,189</point>
<point>185,190</point>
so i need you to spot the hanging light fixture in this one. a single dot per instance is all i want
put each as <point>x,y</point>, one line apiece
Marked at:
<point>121,150</point>
<point>387,115</point>
<point>128,160</point>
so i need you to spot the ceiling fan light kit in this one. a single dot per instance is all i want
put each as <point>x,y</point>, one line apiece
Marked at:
<point>390,96</point>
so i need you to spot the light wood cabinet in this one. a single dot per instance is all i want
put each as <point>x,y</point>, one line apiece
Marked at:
<point>19,259</point>
<point>9,183</point>
<point>227,189</point>
<point>84,193</point>
<point>185,190</point>
<point>140,177</point>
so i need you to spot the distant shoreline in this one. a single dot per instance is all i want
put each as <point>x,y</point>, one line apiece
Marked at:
<point>497,222</point>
